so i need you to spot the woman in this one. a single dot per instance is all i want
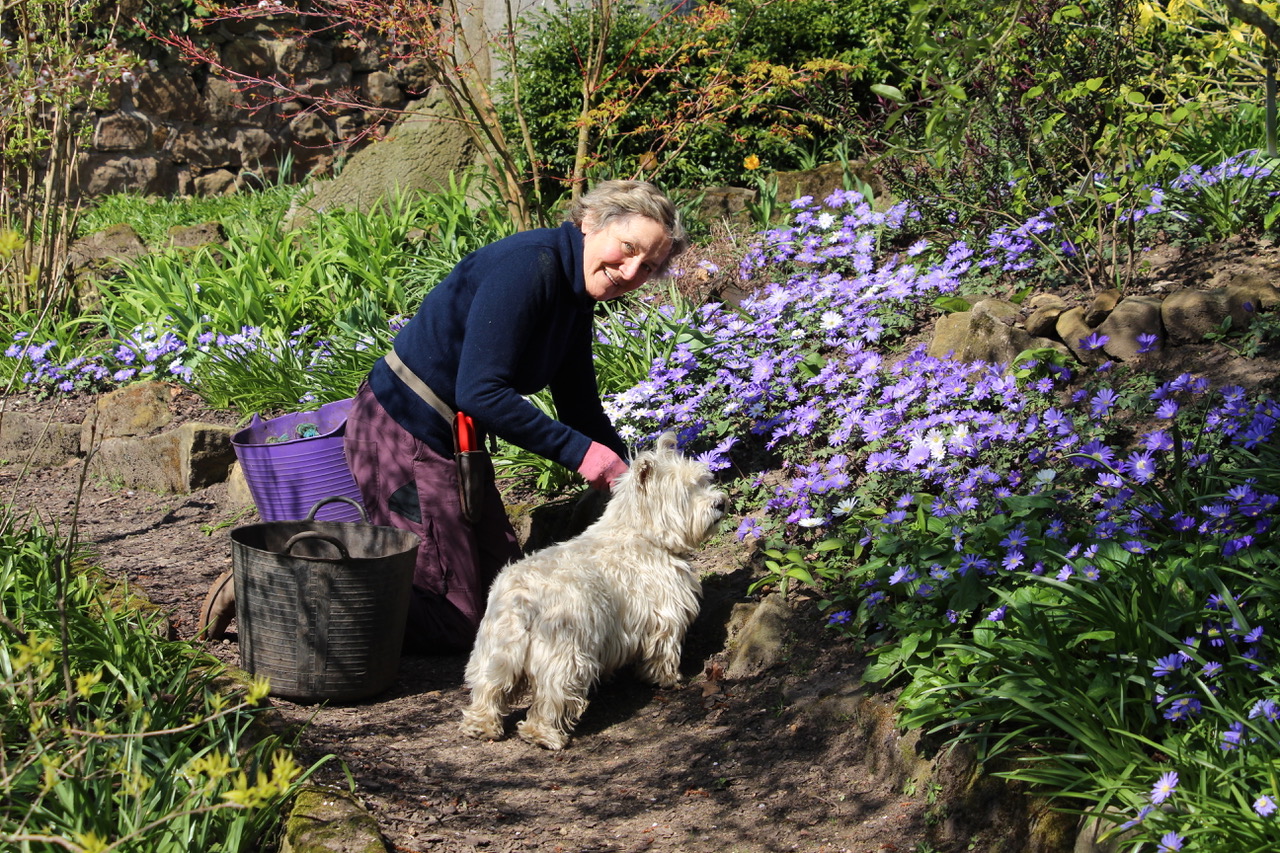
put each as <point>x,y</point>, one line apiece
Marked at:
<point>510,319</point>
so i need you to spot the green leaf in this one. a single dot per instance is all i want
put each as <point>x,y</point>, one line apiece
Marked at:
<point>892,93</point>
<point>951,304</point>
<point>801,574</point>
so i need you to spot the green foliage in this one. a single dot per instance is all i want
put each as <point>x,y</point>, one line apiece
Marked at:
<point>677,88</point>
<point>1008,134</point>
<point>1260,334</point>
<point>153,217</point>
<point>636,335</point>
<point>114,737</point>
<point>53,72</point>
<point>545,477</point>
<point>270,370</point>
<point>156,16</point>
<point>343,266</point>
<point>1238,194</point>
<point>1082,661</point>
<point>282,319</point>
<point>1220,134</point>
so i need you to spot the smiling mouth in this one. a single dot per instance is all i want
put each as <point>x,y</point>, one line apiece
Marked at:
<point>612,280</point>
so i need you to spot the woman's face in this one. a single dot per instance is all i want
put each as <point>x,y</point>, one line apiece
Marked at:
<point>621,256</point>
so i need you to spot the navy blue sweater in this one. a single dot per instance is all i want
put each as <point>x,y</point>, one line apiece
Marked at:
<point>511,319</point>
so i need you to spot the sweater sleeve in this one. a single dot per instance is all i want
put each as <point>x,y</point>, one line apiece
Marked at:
<point>519,313</point>
<point>576,393</point>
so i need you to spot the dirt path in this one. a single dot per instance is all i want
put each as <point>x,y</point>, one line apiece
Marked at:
<point>788,759</point>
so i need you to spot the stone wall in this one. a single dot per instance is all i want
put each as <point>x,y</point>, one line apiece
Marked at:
<point>172,128</point>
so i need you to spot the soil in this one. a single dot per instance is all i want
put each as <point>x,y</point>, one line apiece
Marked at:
<point>748,764</point>
<point>720,764</point>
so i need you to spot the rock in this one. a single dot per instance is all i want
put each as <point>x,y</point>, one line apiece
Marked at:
<point>419,153</point>
<point>1246,278</point>
<point>37,442</point>
<point>950,333</point>
<point>123,131</point>
<point>238,494</point>
<point>1045,300</point>
<point>997,309</point>
<point>223,101</point>
<point>1089,837</point>
<point>205,149</point>
<point>760,636</point>
<point>727,204</point>
<point>383,89</point>
<point>193,236</point>
<point>330,820</point>
<point>256,149</point>
<point>114,243</point>
<point>991,341</point>
<point>310,130</point>
<point>138,409</point>
<point>215,183</point>
<point>101,174</point>
<point>1189,315</point>
<point>1072,329</point>
<point>251,57</point>
<point>327,82</point>
<point>1245,297</point>
<point>305,56</point>
<point>824,180</point>
<point>190,457</point>
<point>981,335</point>
<point>169,93</point>
<point>1137,315</point>
<point>1101,307</point>
<point>1045,309</point>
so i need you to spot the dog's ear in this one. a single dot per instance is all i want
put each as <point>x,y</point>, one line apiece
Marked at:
<point>642,472</point>
<point>666,442</point>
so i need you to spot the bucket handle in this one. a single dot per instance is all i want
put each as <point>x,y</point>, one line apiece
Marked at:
<point>314,534</point>
<point>364,516</point>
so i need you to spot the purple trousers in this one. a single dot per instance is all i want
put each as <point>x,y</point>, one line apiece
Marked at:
<point>407,485</point>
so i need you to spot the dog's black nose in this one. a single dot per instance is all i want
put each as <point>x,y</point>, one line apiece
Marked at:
<point>722,504</point>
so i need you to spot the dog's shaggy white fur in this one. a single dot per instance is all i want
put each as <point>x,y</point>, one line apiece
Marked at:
<point>622,592</point>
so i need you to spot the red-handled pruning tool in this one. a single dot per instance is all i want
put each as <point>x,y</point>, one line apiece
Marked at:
<point>465,430</point>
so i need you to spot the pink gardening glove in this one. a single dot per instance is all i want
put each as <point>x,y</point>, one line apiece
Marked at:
<point>601,467</point>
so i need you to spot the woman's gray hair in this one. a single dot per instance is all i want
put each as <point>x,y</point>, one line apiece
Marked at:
<point>612,200</point>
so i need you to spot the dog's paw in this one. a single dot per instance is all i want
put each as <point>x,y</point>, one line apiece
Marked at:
<point>481,728</point>
<point>544,736</point>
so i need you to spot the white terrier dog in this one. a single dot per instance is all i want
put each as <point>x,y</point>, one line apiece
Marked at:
<point>622,592</point>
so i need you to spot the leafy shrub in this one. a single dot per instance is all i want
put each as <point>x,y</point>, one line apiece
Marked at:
<point>1006,134</point>
<point>276,319</point>
<point>774,78</point>
<point>116,738</point>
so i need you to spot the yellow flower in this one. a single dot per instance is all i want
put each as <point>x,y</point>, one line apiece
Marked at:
<point>751,162</point>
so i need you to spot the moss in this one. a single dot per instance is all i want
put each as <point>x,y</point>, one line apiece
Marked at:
<point>326,819</point>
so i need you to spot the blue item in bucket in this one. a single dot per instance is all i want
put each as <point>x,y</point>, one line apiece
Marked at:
<point>293,462</point>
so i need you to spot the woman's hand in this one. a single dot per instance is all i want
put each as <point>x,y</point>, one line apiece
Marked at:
<point>601,467</point>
